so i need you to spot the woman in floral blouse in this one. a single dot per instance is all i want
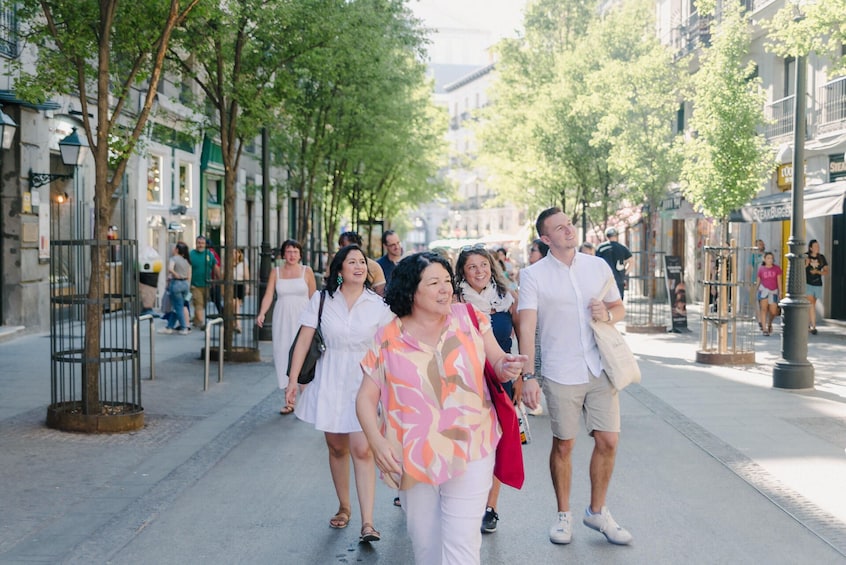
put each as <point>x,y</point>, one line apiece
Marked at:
<point>438,434</point>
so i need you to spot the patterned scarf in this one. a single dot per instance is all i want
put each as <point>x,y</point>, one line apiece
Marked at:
<point>488,300</point>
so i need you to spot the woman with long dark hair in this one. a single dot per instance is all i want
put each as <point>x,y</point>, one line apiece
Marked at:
<point>816,266</point>
<point>482,284</point>
<point>352,313</point>
<point>178,287</point>
<point>769,283</point>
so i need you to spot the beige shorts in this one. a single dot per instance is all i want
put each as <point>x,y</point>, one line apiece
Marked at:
<point>596,400</point>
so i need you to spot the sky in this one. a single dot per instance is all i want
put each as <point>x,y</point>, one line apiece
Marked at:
<point>467,27</point>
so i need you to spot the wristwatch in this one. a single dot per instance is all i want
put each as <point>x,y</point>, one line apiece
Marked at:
<point>610,316</point>
<point>528,376</point>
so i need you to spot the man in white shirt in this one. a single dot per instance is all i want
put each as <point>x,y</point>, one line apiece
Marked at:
<point>557,295</point>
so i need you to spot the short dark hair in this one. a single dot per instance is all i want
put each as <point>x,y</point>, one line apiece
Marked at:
<point>385,235</point>
<point>337,264</point>
<point>351,237</point>
<point>543,248</point>
<point>290,243</point>
<point>405,279</point>
<point>543,216</point>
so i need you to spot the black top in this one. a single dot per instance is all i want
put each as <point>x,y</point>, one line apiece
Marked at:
<point>615,254</point>
<point>815,263</point>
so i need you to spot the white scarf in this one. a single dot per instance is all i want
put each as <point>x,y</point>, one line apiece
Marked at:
<point>488,300</point>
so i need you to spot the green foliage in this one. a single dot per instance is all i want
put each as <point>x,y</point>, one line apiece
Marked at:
<point>586,116</point>
<point>532,140</point>
<point>726,159</point>
<point>821,28</point>
<point>360,135</point>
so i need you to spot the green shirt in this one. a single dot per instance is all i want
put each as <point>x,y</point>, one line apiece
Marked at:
<point>202,265</point>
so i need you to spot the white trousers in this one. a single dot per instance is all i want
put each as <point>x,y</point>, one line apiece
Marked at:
<point>444,521</point>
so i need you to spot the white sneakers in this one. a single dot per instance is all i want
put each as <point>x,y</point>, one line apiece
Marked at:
<point>561,532</point>
<point>605,524</point>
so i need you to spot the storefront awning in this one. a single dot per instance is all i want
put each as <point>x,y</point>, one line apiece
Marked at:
<point>820,200</point>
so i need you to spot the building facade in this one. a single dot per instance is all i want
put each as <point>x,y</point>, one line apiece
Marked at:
<point>172,189</point>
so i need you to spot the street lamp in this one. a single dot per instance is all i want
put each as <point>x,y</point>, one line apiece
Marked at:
<point>7,129</point>
<point>73,150</point>
<point>794,371</point>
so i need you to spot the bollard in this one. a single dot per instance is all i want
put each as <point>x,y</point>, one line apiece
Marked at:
<point>137,344</point>
<point>209,324</point>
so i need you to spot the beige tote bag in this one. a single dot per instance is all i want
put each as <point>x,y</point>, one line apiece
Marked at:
<point>617,358</point>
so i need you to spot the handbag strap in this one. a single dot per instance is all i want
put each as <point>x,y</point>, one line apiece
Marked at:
<point>472,312</point>
<point>320,310</point>
<point>605,289</point>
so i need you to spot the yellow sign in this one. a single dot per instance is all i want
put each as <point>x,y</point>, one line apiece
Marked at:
<point>784,176</point>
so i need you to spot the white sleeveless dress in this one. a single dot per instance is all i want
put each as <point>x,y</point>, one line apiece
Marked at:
<point>291,298</point>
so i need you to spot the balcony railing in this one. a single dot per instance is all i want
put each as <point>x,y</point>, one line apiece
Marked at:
<point>8,30</point>
<point>833,102</point>
<point>780,113</point>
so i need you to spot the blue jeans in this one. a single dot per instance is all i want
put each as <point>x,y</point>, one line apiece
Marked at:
<point>177,290</point>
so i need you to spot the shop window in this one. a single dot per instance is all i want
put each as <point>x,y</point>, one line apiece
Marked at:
<point>154,180</point>
<point>185,184</point>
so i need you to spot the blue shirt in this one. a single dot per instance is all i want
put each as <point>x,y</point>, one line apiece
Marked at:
<point>388,267</point>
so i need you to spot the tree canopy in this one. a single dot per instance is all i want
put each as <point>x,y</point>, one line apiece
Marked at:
<point>726,159</point>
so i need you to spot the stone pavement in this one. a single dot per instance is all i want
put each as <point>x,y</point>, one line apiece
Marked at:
<point>714,466</point>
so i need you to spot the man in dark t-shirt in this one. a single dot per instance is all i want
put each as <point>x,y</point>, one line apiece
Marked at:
<point>617,255</point>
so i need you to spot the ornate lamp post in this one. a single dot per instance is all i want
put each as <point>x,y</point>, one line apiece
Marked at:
<point>73,149</point>
<point>794,371</point>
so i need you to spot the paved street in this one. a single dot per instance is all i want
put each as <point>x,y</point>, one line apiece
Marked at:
<point>714,466</point>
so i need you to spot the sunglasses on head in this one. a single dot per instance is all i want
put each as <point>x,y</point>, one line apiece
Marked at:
<point>474,247</point>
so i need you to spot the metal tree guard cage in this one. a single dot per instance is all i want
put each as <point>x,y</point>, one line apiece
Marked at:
<point>77,288</point>
<point>728,306</point>
<point>647,308</point>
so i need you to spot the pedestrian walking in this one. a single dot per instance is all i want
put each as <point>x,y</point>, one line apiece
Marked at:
<point>769,283</point>
<point>437,433</point>
<point>482,284</point>
<point>557,295</point>
<point>587,247</point>
<point>618,257</point>
<point>816,267</point>
<point>240,274</point>
<point>351,315</point>
<point>756,259</point>
<point>293,284</point>
<point>204,267</point>
<point>178,290</point>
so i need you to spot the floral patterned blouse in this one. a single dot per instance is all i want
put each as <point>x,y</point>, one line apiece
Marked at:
<point>435,403</point>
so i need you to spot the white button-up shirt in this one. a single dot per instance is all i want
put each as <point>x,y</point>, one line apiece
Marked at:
<point>561,296</point>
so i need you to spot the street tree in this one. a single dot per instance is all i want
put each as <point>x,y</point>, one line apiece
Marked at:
<point>358,136</point>
<point>100,52</point>
<point>531,142</point>
<point>726,159</point>
<point>240,53</point>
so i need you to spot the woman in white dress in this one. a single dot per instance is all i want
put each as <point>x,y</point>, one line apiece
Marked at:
<point>293,283</point>
<point>352,313</point>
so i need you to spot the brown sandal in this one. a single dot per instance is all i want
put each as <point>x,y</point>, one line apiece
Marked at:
<point>369,533</point>
<point>341,519</point>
